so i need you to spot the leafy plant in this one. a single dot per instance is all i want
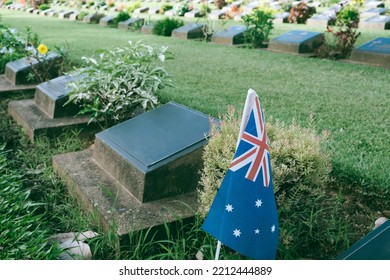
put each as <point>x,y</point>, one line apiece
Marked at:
<point>258,27</point>
<point>165,26</point>
<point>96,17</point>
<point>165,7</point>
<point>300,13</point>
<point>220,3</point>
<point>181,9</point>
<point>340,40</point>
<point>348,16</point>
<point>81,16</point>
<point>133,6</point>
<point>118,81</point>
<point>44,7</point>
<point>122,16</point>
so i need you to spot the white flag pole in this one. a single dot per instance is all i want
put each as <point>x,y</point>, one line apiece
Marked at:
<point>245,116</point>
<point>218,250</point>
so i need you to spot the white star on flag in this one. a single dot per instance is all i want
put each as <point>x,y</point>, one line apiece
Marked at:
<point>257,231</point>
<point>229,208</point>
<point>258,203</point>
<point>273,228</point>
<point>236,233</point>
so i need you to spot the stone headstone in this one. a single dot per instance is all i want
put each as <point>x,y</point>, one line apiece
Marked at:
<point>142,172</point>
<point>17,71</point>
<point>88,18</point>
<point>297,42</point>
<point>233,35</point>
<point>189,31</point>
<point>321,20</point>
<point>373,12</point>
<point>36,12</point>
<point>107,20</point>
<point>52,95</point>
<point>65,14</point>
<point>281,17</point>
<point>130,22</point>
<point>30,10</point>
<point>170,13</point>
<point>217,14</point>
<point>376,22</point>
<point>147,29</point>
<point>374,4</point>
<point>153,11</point>
<point>193,13</point>
<point>375,52</point>
<point>374,246</point>
<point>46,12</point>
<point>141,10</point>
<point>74,16</point>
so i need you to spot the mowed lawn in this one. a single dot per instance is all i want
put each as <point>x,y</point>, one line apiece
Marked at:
<point>350,101</point>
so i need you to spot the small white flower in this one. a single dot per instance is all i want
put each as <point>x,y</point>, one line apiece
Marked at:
<point>4,50</point>
<point>161,57</point>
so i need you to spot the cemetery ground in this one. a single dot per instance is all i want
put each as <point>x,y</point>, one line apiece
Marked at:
<point>349,101</point>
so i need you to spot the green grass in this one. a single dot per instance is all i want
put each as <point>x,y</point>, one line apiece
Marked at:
<point>350,101</point>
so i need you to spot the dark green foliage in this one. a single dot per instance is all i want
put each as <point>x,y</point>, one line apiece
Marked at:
<point>300,13</point>
<point>259,25</point>
<point>348,16</point>
<point>122,16</point>
<point>165,7</point>
<point>165,26</point>
<point>44,6</point>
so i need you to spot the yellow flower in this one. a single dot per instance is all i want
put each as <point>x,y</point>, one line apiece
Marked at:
<point>42,49</point>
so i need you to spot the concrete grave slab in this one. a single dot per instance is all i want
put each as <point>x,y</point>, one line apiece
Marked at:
<point>46,113</point>
<point>233,35</point>
<point>65,14</point>
<point>297,42</point>
<point>281,17</point>
<point>217,14</point>
<point>321,20</point>
<point>143,172</point>
<point>376,22</point>
<point>107,20</point>
<point>189,31</point>
<point>130,22</point>
<point>74,16</point>
<point>374,4</point>
<point>147,29</point>
<point>375,52</point>
<point>193,14</point>
<point>17,71</point>
<point>141,10</point>
<point>373,12</point>
<point>154,11</point>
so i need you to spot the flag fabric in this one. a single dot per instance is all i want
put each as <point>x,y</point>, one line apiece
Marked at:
<point>243,215</point>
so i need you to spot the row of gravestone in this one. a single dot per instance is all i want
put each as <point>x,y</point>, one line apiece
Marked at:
<point>144,172</point>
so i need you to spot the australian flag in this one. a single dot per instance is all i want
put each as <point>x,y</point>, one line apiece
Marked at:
<point>243,215</point>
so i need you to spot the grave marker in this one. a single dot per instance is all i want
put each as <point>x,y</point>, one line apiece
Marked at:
<point>374,246</point>
<point>147,29</point>
<point>373,12</point>
<point>375,4</point>
<point>150,164</point>
<point>217,14</point>
<point>193,14</point>
<point>141,10</point>
<point>297,42</point>
<point>189,31</point>
<point>65,14</point>
<point>281,17</point>
<point>130,22</point>
<point>321,20</point>
<point>46,113</point>
<point>375,52</point>
<point>376,22</point>
<point>17,71</point>
<point>107,20</point>
<point>233,35</point>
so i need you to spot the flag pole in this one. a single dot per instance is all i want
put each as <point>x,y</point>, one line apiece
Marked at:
<point>218,250</point>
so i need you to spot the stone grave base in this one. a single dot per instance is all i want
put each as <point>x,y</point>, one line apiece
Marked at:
<point>35,122</point>
<point>99,193</point>
<point>7,87</point>
<point>370,58</point>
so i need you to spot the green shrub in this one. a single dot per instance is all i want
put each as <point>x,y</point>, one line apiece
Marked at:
<point>118,81</point>
<point>44,7</point>
<point>181,9</point>
<point>133,6</point>
<point>308,216</point>
<point>22,233</point>
<point>348,16</point>
<point>82,15</point>
<point>165,26</point>
<point>165,7</point>
<point>96,17</point>
<point>300,13</point>
<point>258,27</point>
<point>122,16</point>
